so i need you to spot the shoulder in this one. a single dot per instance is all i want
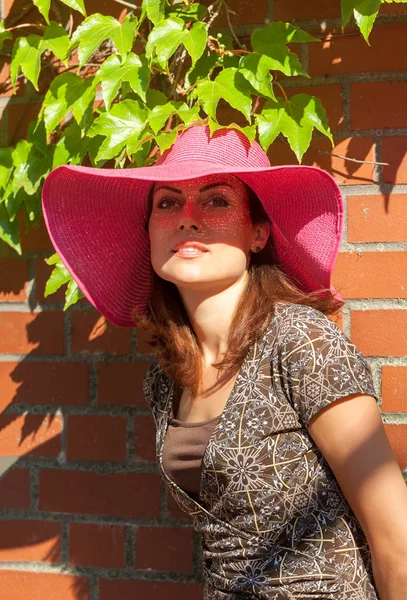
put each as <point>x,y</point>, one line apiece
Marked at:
<point>155,383</point>
<point>303,331</point>
<point>299,320</point>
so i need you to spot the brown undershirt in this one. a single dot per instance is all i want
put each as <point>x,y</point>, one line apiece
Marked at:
<point>183,450</point>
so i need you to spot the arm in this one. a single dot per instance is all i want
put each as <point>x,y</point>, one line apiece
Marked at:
<point>370,478</point>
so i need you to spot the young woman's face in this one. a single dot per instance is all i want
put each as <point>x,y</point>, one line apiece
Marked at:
<point>212,211</point>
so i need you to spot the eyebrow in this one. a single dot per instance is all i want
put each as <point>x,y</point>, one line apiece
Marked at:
<point>206,187</point>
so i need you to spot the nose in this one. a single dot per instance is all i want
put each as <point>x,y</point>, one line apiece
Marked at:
<point>189,217</point>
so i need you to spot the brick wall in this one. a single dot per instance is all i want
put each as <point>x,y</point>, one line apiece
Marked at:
<point>83,513</point>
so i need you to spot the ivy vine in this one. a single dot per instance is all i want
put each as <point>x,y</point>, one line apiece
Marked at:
<point>121,90</point>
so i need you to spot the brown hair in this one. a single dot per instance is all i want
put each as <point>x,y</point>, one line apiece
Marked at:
<point>173,338</point>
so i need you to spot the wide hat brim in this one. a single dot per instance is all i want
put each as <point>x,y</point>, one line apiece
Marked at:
<point>96,222</point>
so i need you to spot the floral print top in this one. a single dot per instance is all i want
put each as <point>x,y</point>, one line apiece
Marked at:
<point>274,521</point>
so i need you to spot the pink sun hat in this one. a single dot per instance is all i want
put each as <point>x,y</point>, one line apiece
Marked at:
<point>96,217</point>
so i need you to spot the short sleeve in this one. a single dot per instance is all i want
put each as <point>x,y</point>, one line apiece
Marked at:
<point>319,364</point>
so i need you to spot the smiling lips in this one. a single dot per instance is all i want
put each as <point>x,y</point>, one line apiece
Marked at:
<point>189,249</point>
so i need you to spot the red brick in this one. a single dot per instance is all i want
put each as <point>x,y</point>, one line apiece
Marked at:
<point>142,345</point>
<point>175,549</point>
<point>13,276</point>
<point>120,494</point>
<point>394,389</point>
<point>176,511</point>
<point>111,589</point>
<point>95,545</point>
<point>6,89</point>
<point>380,332</point>
<point>397,435</point>
<point>15,489</point>
<point>395,153</point>
<point>91,332</point>
<point>96,438</point>
<point>105,7</point>
<point>36,435</point>
<point>32,333</point>
<point>43,272</point>
<point>121,383</point>
<point>297,10</point>
<point>58,384</point>
<point>337,319</point>
<point>19,116</point>
<point>331,100</point>
<point>22,585</point>
<point>350,54</point>
<point>246,13</point>
<point>343,171</point>
<point>377,105</point>
<point>377,218</point>
<point>145,432</point>
<point>37,541</point>
<point>36,238</point>
<point>393,9</point>
<point>371,274</point>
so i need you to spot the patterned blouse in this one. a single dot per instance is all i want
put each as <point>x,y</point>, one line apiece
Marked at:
<point>275,524</point>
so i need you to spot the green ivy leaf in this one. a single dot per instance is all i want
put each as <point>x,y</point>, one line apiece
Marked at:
<point>193,12</point>
<point>121,126</point>
<point>229,85</point>
<point>30,167</point>
<point>43,6</point>
<point>154,97</point>
<point>295,119</point>
<point>347,8</point>
<point>249,131</point>
<point>166,139</point>
<point>97,28</point>
<point>365,15</point>
<point>32,204</point>
<point>134,70</point>
<point>26,57</point>
<point>59,276</point>
<point>56,39</point>
<point>4,35</point>
<point>171,33</point>
<point>67,92</point>
<point>202,69</point>
<point>13,202</point>
<point>154,9</point>
<point>72,294</point>
<point>9,230</point>
<point>76,5</point>
<point>270,50</point>
<point>6,166</point>
<point>53,259</point>
<point>255,68</point>
<point>159,115</point>
<point>71,148</point>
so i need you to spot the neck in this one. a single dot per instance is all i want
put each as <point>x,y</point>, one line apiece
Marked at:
<point>211,313</point>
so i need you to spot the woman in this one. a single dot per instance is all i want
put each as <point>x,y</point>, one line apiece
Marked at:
<point>268,433</point>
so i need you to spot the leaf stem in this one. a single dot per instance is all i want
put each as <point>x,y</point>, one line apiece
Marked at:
<point>232,31</point>
<point>282,89</point>
<point>128,4</point>
<point>37,25</point>
<point>365,162</point>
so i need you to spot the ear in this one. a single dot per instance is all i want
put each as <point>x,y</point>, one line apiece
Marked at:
<point>262,232</point>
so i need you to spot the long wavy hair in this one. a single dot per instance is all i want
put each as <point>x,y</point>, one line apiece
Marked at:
<point>171,334</point>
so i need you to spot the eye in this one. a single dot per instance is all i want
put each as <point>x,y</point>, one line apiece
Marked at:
<point>166,203</point>
<point>219,201</point>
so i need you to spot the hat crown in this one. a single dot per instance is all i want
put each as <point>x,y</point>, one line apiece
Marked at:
<point>228,147</point>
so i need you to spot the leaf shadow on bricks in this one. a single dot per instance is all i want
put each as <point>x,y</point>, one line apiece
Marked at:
<point>34,396</point>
